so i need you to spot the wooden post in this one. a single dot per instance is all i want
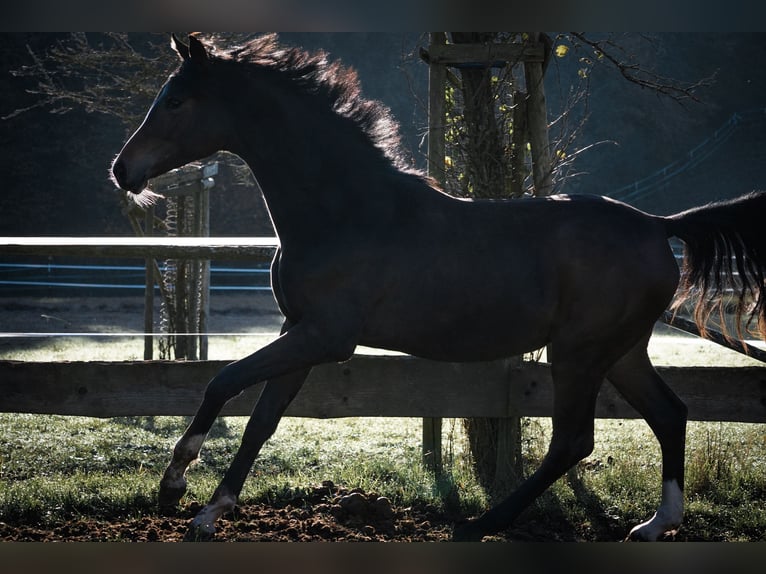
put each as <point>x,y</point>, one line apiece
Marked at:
<point>537,119</point>
<point>437,118</point>
<point>204,306</point>
<point>437,76</point>
<point>149,290</point>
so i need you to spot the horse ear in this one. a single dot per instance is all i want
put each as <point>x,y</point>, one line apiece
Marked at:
<point>179,47</point>
<point>197,51</point>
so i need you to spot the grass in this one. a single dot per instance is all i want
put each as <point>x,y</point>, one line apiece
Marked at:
<point>617,486</point>
<point>54,468</point>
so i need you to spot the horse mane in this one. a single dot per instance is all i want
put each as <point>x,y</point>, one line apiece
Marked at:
<point>314,73</point>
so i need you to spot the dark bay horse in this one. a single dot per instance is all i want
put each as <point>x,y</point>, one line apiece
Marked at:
<point>371,253</point>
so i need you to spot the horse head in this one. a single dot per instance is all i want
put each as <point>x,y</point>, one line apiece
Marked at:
<point>186,122</point>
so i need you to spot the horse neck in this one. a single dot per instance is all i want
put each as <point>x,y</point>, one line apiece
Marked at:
<point>316,177</point>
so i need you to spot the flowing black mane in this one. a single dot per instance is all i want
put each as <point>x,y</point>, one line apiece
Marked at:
<point>315,74</point>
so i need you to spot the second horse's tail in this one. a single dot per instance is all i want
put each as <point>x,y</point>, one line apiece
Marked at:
<point>725,252</point>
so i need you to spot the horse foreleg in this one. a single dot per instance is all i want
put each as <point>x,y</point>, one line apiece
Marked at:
<point>296,350</point>
<point>173,483</point>
<point>285,363</point>
<point>186,450</point>
<point>571,441</point>
<point>223,387</point>
<point>635,378</point>
<point>275,397</point>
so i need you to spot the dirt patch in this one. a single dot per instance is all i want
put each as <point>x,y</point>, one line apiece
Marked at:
<point>328,514</point>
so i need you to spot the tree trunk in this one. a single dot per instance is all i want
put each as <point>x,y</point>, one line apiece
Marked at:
<point>518,144</point>
<point>494,443</point>
<point>485,162</point>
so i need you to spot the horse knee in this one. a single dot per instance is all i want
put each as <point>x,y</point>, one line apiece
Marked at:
<point>568,451</point>
<point>221,388</point>
<point>580,448</point>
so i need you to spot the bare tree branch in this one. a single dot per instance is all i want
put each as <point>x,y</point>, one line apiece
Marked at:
<point>99,73</point>
<point>632,71</point>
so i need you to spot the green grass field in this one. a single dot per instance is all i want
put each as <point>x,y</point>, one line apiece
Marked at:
<point>55,467</point>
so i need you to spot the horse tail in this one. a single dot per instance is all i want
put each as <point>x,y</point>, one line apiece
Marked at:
<point>725,248</point>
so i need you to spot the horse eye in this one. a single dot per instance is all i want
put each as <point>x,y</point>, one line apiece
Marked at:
<point>173,103</point>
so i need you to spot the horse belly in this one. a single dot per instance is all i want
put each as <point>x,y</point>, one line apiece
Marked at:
<point>460,328</point>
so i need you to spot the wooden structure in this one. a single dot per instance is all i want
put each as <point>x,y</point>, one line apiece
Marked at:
<point>530,113</point>
<point>184,283</point>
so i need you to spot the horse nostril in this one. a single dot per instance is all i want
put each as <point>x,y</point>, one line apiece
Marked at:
<point>119,172</point>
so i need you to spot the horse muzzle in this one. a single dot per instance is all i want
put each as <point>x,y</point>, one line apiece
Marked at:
<point>123,178</point>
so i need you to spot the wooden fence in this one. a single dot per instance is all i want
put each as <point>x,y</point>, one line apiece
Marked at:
<point>366,385</point>
<point>388,385</point>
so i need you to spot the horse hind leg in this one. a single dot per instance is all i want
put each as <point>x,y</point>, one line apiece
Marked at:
<point>637,380</point>
<point>576,388</point>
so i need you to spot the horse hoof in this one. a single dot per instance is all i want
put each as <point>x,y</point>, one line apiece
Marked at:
<point>170,496</point>
<point>641,535</point>
<point>169,501</point>
<point>648,531</point>
<point>636,537</point>
<point>199,532</point>
<point>467,531</point>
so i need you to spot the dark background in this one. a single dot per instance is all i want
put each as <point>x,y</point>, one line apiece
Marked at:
<point>55,167</point>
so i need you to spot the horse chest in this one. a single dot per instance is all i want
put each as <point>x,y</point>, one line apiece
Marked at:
<point>321,282</point>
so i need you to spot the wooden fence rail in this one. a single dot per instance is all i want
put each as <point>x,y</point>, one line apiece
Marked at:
<point>256,249</point>
<point>376,386</point>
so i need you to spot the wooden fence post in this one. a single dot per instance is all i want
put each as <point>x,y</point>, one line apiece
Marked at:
<point>437,75</point>
<point>149,276</point>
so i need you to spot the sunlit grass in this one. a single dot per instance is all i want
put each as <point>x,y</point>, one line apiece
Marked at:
<point>618,485</point>
<point>53,466</point>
